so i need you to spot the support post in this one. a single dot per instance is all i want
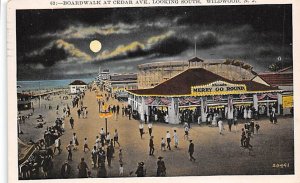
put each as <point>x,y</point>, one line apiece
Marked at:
<point>106,126</point>
<point>255,102</point>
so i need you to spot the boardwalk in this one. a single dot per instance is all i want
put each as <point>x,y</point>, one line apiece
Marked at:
<point>216,154</point>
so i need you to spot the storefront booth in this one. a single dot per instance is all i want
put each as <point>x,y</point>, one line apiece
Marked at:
<point>197,93</point>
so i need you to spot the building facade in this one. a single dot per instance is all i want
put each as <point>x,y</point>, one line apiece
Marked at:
<point>152,74</point>
<point>283,79</point>
<point>77,86</point>
<point>200,91</point>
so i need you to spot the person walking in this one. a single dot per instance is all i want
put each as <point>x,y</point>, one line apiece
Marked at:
<point>129,114</point>
<point>94,156</point>
<point>243,137</point>
<point>57,145</point>
<point>82,169</point>
<point>141,128</point>
<point>47,165</point>
<point>65,170</point>
<point>118,109</point>
<point>72,122</point>
<point>123,111</point>
<point>107,138</point>
<point>161,168</point>
<point>168,137</point>
<point>75,141</point>
<point>150,128</point>
<point>252,126</point>
<point>191,151</point>
<point>121,170</point>
<point>85,145</point>
<point>176,139</point>
<point>186,132</point>
<point>109,154</point>
<point>120,156</point>
<point>220,124</point>
<point>97,142</point>
<point>257,128</point>
<point>101,157</point>
<point>235,116</point>
<point>163,144</point>
<point>140,172</point>
<point>151,145</point>
<point>247,142</point>
<point>116,138</point>
<point>102,135</point>
<point>69,149</point>
<point>145,118</point>
<point>78,113</point>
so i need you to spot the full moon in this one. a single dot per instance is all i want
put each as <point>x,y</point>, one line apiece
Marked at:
<point>95,46</point>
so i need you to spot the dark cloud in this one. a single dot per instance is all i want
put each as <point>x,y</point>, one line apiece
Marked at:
<point>48,57</point>
<point>207,40</point>
<point>257,34</point>
<point>171,46</point>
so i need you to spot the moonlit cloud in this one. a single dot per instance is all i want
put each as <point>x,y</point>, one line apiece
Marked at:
<point>138,48</point>
<point>122,50</point>
<point>83,31</point>
<point>55,51</point>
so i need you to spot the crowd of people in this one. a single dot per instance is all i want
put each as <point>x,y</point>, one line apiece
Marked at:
<point>106,146</point>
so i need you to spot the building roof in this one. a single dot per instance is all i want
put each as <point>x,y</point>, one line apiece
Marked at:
<point>78,82</point>
<point>181,84</point>
<point>287,69</point>
<point>196,59</point>
<point>283,77</point>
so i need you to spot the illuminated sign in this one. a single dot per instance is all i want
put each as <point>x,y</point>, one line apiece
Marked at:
<point>287,101</point>
<point>218,88</point>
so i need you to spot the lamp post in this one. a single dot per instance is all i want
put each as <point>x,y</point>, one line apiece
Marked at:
<point>105,114</point>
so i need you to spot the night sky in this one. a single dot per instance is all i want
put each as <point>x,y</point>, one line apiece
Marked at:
<point>54,44</point>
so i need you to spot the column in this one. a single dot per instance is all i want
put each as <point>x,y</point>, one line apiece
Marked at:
<point>255,102</point>
<point>141,109</point>
<point>279,101</point>
<point>203,116</point>
<point>172,115</point>
<point>268,113</point>
<point>230,108</point>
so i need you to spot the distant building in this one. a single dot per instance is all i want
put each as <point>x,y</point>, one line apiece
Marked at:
<point>152,74</point>
<point>77,86</point>
<point>24,101</point>
<point>103,75</point>
<point>283,79</point>
<point>118,83</point>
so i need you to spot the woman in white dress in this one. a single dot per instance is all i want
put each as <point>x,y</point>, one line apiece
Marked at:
<point>167,118</point>
<point>176,139</point>
<point>249,114</point>
<point>245,113</point>
<point>220,124</point>
<point>214,120</point>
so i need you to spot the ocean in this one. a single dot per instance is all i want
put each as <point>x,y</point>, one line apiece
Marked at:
<point>47,84</point>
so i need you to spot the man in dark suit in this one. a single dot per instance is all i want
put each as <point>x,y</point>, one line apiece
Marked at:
<point>82,169</point>
<point>151,145</point>
<point>191,151</point>
<point>65,170</point>
<point>109,154</point>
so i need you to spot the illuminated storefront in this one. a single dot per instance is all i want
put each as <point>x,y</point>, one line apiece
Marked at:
<point>201,91</point>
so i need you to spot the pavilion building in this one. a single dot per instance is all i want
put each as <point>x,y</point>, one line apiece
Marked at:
<point>200,89</point>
